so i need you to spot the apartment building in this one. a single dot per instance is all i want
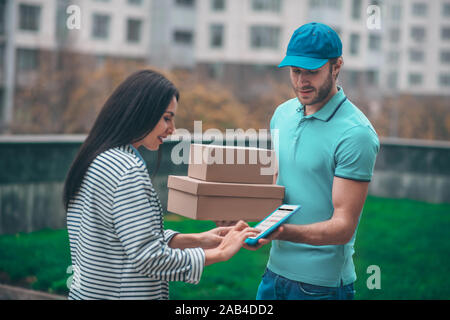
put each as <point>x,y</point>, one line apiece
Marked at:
<point>173,34</point>
<point>417,47</point>
<point>236,37</point>
<point>238,42</point>
<point>34,29</point>
<point>106,27</point>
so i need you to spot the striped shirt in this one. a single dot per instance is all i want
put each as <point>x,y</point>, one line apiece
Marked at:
<point>118,246</point>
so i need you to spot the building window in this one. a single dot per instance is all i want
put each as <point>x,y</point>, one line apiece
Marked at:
<point>185,3</point>
<point>445,57</point>
<point>29,17</point>
<point>356,9</point>
<point>416,55</point>
<point>372,77</point>
<point>392,80</point>
<point>2,103</point>
<point>393,57</point>
<point>375,42</point>
<point>415,79</point>
<point>394,35</point>
<point>264,37</point>
<point>216,35</point>
<point>134,27</point>
<point>354,44</point>
<point>217,5</point>
<point>396,12</point>
<point>353,78</point>
<point>418,34</point>
<point>27,59</point>
<point>135,2</point>
<point>335,4</point>
<point>419,9</point>
<point>2,56</point>
<point>183,37</point>
<point>445,33</point>
<point>266,5</point>
<point>100,26</point>
<point>2,16</point>
<point>446,9</point>
<point>444,79</point>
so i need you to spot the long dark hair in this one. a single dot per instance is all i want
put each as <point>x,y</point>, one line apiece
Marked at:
<point>129,114</point>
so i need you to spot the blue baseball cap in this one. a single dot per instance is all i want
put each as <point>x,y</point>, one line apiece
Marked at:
<point>311,46</point>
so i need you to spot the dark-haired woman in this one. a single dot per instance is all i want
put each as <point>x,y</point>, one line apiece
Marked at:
<point>118,246</point>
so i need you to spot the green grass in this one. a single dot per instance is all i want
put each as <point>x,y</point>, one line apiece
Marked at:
<point>408,240</point>
<point>37,260</point>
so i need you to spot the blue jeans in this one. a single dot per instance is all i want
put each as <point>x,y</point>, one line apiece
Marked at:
<point>276,287</point>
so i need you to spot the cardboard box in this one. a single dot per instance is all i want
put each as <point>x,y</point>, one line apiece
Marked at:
<point>204,200</point>
<point>231,164</point>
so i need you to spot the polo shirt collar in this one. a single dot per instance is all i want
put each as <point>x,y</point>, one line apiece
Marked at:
<point>327,111</point>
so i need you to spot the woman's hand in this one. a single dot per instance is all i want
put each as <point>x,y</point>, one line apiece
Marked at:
<point>231,243</point>
<point>223,223</point>
<point>212,238</point>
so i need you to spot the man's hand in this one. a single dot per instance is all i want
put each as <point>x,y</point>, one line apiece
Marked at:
<point>348,198</point>
<point>262,242</point>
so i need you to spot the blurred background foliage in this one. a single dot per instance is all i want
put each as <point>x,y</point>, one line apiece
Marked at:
<point>69,92</point>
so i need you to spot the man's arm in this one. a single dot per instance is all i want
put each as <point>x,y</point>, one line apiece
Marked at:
<point>348,198</point>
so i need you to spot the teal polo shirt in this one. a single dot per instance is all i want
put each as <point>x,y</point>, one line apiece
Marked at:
<point>338,140</point>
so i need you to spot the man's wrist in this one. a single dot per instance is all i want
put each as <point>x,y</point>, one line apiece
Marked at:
<point>290,232</point>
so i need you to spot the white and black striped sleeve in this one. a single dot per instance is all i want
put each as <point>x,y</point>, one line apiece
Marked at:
<point>137,222</point>
<point>168,234</point>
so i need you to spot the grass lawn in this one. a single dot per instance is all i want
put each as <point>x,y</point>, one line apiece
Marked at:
<point>407,240</point>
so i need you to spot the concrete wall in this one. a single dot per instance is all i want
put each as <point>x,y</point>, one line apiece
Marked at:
<point>414,169</point>
<point>33,169</point>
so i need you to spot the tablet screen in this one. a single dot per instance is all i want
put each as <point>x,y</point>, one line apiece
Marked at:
<point>273,219</point>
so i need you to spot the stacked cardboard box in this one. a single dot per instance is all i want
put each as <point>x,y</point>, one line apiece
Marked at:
<point>226,183</point>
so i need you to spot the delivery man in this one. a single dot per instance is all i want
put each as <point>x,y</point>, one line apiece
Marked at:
<point>326,150</point>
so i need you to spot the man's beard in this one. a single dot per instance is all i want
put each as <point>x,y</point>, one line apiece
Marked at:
<point>323,91</point>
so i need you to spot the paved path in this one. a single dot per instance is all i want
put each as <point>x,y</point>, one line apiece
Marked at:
<point>16,293</point>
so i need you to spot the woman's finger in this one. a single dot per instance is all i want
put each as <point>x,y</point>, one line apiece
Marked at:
<point>222,231</point>
<point>248,234</point>
<point>240,225</point>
